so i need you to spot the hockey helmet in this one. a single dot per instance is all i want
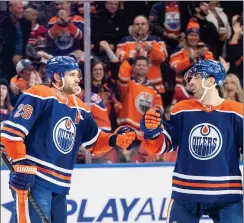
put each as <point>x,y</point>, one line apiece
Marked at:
<point>208,68</point>
<point>59,65</point>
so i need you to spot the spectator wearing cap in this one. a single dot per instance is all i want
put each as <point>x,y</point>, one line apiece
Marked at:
<point>5,106</point>
<point>25,78</point>
<point>208,32</point>
<point>65,30</point>
<point>15,31</point>
<point>190,51</point>
<point>38,32</point>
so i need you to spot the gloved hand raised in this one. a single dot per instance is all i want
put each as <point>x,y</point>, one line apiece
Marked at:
<point>124,138</point>
<point>151,123</point>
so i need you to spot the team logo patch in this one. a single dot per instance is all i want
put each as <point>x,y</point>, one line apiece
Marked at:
<point>64,135</point>
<point>205,141</point>
<point>143,102</point>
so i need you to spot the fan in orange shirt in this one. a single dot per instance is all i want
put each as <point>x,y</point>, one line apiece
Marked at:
<point>25,78</point>
<point>190,51</point>
<point>136,94</point>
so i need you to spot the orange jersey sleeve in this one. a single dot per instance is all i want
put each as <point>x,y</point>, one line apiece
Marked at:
<point>158,54</point>
<point>124,78</point>
<point>101,145</point>
<point>180,61</point>
<point>122,52</point>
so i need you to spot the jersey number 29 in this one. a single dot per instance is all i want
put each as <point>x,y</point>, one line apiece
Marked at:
<point>24,110</point>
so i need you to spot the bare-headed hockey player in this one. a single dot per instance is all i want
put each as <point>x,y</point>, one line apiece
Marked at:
<point>42,137</point>
<point>208,131</point>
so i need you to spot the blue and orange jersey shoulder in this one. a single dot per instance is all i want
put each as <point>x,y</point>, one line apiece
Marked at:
<point>31,104</point>
<point>186,105</point>
<point>226,106</point>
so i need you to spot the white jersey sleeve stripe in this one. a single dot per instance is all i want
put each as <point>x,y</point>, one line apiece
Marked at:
<point>208,178</point>
<point>22,128</point>
<point>48,164</point>
<point>94,139</point>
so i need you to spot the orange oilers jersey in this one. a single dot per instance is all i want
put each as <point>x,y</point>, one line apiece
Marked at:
<point>180,61</point>
<point>75,27</point>
<point>64,37</point>
<point>209,141</point>
<point>48,131</point>
<point>157,55</point>
<point>136,98</point>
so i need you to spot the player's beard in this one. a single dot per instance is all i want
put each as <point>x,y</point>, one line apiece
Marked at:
<point>69,90</point>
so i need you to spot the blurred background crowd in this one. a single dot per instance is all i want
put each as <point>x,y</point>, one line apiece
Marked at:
<point>140,51</point>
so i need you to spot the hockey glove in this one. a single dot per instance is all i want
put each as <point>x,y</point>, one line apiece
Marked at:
<point>124,138</point>
<point>151,123</point>
<point>24,176</point>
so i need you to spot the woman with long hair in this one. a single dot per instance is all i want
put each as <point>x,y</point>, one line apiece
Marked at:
<point>5,106</point>
<point>232,88</point>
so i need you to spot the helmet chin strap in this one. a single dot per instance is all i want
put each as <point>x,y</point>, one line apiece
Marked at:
<point>73,96</point>
<point>77,107</point>
<point>59,88</point>
<point>206,89</point>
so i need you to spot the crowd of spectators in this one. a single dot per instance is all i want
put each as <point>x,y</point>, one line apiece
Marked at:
<point>139,53</point>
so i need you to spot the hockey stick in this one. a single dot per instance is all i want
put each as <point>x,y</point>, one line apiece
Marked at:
<point>31,199</point>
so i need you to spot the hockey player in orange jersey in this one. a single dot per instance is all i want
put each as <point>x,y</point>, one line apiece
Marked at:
<point>209,132</point>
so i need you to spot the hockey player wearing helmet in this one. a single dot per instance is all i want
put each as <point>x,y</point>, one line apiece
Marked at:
<point>43,136</point>
<point>208,132</point>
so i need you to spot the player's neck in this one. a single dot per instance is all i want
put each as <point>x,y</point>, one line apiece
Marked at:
<point>212,98</point>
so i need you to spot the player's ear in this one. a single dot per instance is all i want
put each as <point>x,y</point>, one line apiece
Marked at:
<point>56,77</point>
<point>211,81</point>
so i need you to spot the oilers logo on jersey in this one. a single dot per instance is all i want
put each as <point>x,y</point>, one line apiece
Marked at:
<point>64,135</point>
<point>143,102</point>
<point>205,141</point>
